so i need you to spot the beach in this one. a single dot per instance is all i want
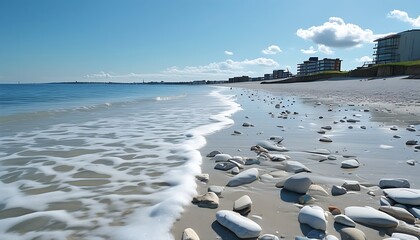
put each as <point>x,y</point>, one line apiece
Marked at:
<point>322,125</point>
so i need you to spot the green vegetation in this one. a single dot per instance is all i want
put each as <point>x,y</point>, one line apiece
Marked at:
<point>329,72</point>
<point>405,64</point>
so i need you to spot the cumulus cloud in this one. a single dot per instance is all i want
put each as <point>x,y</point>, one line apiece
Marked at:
<point>229,53</point>
<point>321,48</point>
<point>271,50</point>
<point>403,16</point>
<point>364,59</point>
<point>337,33</point>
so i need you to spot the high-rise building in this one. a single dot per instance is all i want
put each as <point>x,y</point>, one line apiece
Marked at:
<point>400,47</point>
<point>313,65</point>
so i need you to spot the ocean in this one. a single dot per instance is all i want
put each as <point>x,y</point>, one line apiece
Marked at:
<point>102,161</point>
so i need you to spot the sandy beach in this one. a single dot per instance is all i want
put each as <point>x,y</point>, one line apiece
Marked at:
<point>322,124</point>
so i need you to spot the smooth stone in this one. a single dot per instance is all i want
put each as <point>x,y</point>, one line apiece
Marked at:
<point>298,184</point>
<point>295,167</point>
<point>316,190</point>
<point>251,161</point>
<point>270,146</point>
<point>393,183</point>
<point>247,124</point>
<point>411,162</point>
<point>189,234</point>
<point>245,177</point>
<point>411,142</point>
<point>235,170</point>
<point>398,213</point>
<point>237,132</point>
<point>403,236</point>
<point>403,227</point>
<point>408,196</point>
<point>222,157</point>
<point>321,151</point>
<point>363,127</point>
<point>239,225</point>
<point>370,216</point>
<point>396,136</point>
<point>415,211</point>
<point>316,234</point>
<point>267,178</point>
<point>344,220</point>
<point>313,216</point>
<point>326,127</point>
<point>204,177</point>
<point>216,189</point>
<point>321,131</point>
<point>337,190</point>
<point>350,233</point>
<point>268,237</point>
<point>325,139</point>
<point>334,210</point>
<point>207,200</point>
<point>279,157</point>
<point>384,201</point>
<point>224,166</point>
<point>242,203</point>
<point>394,128</point>
<point>330,237</point>
<point>352,120</point>
<point>213,153</point>
<point>417,147</point>
<point>237,163</point>
<point>238,159</point>
<point>350,163</point>
<point>351,185</point>
<point>277,139</point>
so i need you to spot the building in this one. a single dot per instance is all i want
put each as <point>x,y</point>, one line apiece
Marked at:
<point>400,47</point>
<point>314,65</point>
<point>268,76</point>
<point>281,74</point>
<point>239,79</point>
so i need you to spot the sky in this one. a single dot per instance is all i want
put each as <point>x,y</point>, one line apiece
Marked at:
<point>185,40</point>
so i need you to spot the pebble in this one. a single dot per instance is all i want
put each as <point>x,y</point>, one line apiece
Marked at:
<point>350,163</point>
<point>222,157</point>
<point>298,184</point>
<point>245,177</point>
<point>337,190</point>
<point>213,153</point>
<point>325,139</point>
<point>351,185</point>
<point>350,233</point>
<point>344,220</point>
<point>294,166</point>
<point>224,166</point>
<point>398,213</point>
<point>247,124</point>
<point>207,200</point>
<point>268,237</point>
<point>313,216</point>
<point>204,177</point>
<point>216,189</point>
<point>411,142</point>
<point>189,234</point>
<point>241,226</point>
<point>334,210</point>
<point>394,183</point>
<point>409,196</point>
<point>243,205</point>
<point>370,216</point>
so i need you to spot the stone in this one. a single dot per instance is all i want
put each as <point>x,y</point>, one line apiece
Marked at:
<point>279,173</point>
<point>189,234</point>
<point>403,236</point>
<point>321,151</point>
<point>243,205</point>
<point>351,185</point>
<point>350,233</point>
<point>267,178</point>
<point>295,167</point>
<point>245,177</point>
<point>316,234</point>
<point>321,131</point>
<point>279,157</point>
<point>344,220</point>
<point>207,200</point>
<point>330,237</point>
<point>313,216</point>
<point>384,201</point>
<point>409,196</point>
<point>394,128</point>
<point>277,139</point>
<point>325,139</point>
<point>371,217</point>
<point>326,127</point>
<point>396,136</point>
<point>350,163</point>
<point>352,120</point>
<point>411,142</point>
<point>403,227</point>
<point>239,225</point>
<point>213,153</point>
<point>247,124</point>
<point>224,166</point>
<point>316,190</point>
<point>251,161</point>
<point>222,157</point>
<point>394,183</point>
<point>304,199</point>
<point>415,211</point>
<point>238,159</point>
<point>337,190</point>
<point>268,237</point>
<point>204,177</point>
<point>334,210</point>
<point>398,213</point>
<point>216,189</point>
<point>235,170</point>
<point>298,184</point>
<point>270,146</point>
<point>411,162</point>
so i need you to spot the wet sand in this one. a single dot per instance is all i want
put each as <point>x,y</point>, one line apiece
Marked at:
<point>377,105</point>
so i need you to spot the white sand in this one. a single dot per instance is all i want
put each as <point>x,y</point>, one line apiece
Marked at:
<point>397,102</point>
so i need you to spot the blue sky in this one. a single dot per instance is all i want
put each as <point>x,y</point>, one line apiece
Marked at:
<point>157,40</point>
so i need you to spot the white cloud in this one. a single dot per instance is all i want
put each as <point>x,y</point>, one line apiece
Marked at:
<point>212,71</point>
<point>271,50</point>
<point>321,48</point>
<point>337,33</point>
<point>403,16</point>
<point>364,59</point>
<point>229,53</point>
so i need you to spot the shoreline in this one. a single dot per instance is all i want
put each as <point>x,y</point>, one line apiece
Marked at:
<point>277,213</point>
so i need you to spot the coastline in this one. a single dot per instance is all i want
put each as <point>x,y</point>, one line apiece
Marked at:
<point>380,104</point>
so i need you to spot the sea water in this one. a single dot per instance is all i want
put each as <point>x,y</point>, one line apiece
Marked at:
<point>102,161</point>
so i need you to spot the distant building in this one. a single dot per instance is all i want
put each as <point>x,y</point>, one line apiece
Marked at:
<point>268,76</point>
<point>313,65</point>
<point>240,79</point>
<point>400,47</point>
<point>281,74</point>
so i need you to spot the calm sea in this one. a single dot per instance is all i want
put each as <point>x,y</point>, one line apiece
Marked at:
<point>102,161</point>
